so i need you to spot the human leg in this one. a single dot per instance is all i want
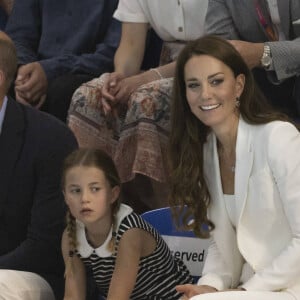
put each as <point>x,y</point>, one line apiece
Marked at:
<point>19,285</point>
<point>137,139</point>
<point>245,295</point>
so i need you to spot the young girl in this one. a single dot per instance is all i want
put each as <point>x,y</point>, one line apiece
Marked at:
<point>128,258</point>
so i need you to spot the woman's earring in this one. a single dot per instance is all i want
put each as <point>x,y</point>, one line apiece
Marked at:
<point>237,102</point>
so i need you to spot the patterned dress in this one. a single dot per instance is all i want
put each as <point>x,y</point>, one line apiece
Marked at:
<point>158,273</point>
<point>137,138</point>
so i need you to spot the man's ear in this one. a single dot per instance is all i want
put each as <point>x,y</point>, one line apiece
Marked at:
<point>115,193</point>
<point>2,79</point>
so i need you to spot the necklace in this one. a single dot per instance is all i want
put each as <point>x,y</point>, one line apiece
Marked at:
<point>228,161</point>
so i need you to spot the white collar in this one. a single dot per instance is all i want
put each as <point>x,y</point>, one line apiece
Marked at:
<point>85,249</point>
<point>2,112</point>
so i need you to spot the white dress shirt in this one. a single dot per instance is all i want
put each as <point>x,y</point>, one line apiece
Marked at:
<point>2,112</point>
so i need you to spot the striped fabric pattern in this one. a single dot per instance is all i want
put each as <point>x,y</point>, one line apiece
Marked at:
<point>159,272</point>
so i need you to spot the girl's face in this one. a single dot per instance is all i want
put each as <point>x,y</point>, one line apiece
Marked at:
<point>212,90</point>
<point>89,194</point>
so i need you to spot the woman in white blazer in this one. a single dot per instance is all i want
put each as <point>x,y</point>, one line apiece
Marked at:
<point>236,165</point>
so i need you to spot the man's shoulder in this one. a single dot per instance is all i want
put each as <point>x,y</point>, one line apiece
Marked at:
<point>43,128</point>
<point>44,121</point>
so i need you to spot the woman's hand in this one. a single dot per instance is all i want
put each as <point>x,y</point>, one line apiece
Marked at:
<point>108,91</point>
<point>110,85</point>
<point>190,290</point>
<point>117,89</point>
<point>126,87</point>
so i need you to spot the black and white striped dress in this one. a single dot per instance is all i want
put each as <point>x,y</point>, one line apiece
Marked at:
<point>158,274</point>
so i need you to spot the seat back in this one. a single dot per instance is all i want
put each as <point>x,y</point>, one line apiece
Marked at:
<point>183,244</point>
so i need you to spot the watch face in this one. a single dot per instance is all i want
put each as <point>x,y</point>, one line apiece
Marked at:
<point>266,61</point>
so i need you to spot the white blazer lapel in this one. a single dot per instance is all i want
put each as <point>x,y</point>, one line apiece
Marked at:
<point>224,233</point>
<point>244,162</point>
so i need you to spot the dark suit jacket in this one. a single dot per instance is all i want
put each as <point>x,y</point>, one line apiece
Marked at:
<point>32,210</point>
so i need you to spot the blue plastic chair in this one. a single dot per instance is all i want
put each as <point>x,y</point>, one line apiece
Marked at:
<point>183,244</point>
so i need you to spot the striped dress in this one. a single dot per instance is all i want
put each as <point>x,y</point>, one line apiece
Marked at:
<point>158,274</point>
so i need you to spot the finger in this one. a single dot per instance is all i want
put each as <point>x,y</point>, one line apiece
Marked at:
<point>112,85</point>
<point>114,79</point>
<point>186,289</point>
<point>107,95</point>
<point>111,93</point>
<point>24,71</point>
<point>105,106</point>
<point>36,95</point>
<point>26,87</point>
<point>106,92</point>
<point>19,94</point>
<point>40,102</point>
<point>20,82</point>
<point>182,288</point>
<point>32,90</point>
<point>28,97</point>
<point>21,99</point>
<point>122,95</point>
<point>20,88</point>
<point>32,85</point>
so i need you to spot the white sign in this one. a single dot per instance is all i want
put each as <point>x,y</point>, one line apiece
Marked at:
<point>191,250</point>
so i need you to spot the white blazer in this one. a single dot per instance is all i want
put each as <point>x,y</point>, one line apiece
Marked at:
<point>267,193</point>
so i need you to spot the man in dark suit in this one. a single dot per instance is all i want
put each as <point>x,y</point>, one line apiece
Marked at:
<point>32,148</point>
<point>267,35</point>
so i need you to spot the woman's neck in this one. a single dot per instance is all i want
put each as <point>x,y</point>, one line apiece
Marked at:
<point>227,135</point>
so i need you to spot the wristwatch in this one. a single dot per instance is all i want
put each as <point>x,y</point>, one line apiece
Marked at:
<point>266,59</point>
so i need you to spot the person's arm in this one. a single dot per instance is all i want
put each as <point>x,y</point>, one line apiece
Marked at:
<point>96,63</point>
<point>224,25</point>
<point>23,27</point>
<point>127,61</point>
<point>40,251</point>
<point>127,265</point>
<point>234,22</point>
<point>282,146</point>
<point>285,59</point>
<point>75,282</point>
<point>127,76</point>
<point>130,53</point>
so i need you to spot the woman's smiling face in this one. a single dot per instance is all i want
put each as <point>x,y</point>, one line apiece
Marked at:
<point>212,90</point>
